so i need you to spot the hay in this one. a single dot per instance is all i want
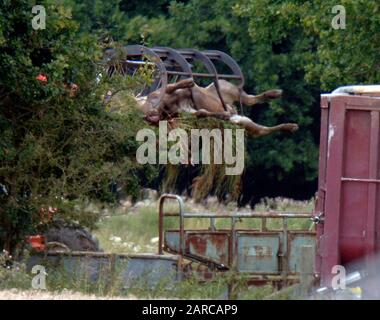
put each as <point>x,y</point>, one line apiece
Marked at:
<point>211,178</point>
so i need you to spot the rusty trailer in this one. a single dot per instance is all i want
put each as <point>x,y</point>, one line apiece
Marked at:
<point>261,254</point>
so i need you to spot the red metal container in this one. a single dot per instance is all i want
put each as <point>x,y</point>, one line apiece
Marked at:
<point>349,178</point>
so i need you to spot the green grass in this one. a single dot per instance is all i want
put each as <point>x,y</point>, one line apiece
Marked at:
<point>189,288</point>
<point>137,231</point>
<point>15,276</point>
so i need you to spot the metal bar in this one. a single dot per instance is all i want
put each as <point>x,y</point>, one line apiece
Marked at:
<point>344,179</point>
<point>242,215</point>
<point>181,230</point>
<point>212,224</point>
<point>321,196</point>
<point>372,188</point>
<point>266,275</point>
<point>175,59</point>
<point>229,61</point>
<point>139,50</point>
<point>335,151</point>
<point>90,254</point>
<point>160,225</point>
<point>204,75</point>
<point>161,215</point>
<point>197,55</point>
<point>284,250</point>
<point>135,62</point>
<point>233,248</point>
<point>325,103</point>
<point>264,224</point>
<point>202,259</point>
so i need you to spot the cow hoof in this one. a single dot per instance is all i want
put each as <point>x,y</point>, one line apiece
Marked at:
<point>290,127</point>
<point>273,94</point>
<point>186,83</point>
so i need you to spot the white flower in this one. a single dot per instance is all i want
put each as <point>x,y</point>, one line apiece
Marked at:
<point>136,248</point>
<point>154,240</point>
<point>115,239</point>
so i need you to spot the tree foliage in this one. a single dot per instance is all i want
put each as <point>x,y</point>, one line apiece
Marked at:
<point>58,147</point>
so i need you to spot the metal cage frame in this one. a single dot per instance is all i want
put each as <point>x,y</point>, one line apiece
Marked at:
<point>177,64</point>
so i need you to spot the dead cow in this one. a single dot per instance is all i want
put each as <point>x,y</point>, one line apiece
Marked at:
<point>186,96</point>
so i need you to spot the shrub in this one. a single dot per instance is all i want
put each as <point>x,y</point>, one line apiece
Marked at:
<point>58,146</point>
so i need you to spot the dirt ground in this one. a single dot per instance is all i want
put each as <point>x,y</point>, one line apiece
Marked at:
<point>15,294</point>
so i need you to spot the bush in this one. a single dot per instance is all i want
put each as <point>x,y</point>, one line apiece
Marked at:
<point>13,274</point>
<point>58,146</point>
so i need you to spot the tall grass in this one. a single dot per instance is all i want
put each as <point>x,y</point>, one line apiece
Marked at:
<point>60,280</point>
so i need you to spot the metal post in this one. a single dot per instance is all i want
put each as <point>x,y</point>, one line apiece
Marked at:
<point>284,259</point>
<point>181,227</point>
<point>264,224</point>
<point>212,224</point>
<point>232,294</point>
<point>160,224</point>
<point>233,244</point>
<point>161,215</point>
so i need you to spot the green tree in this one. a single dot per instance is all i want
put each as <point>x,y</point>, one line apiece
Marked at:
<point>102,18</point>
<point>296,48</point>
<point>344,56</point>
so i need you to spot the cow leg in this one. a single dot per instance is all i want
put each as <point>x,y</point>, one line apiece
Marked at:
<point>182,84</point>
<point>252,128</point>
<point>232,94</point>
<point>250,100</point>
<point>257,130</point>
<point>203,113</point>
